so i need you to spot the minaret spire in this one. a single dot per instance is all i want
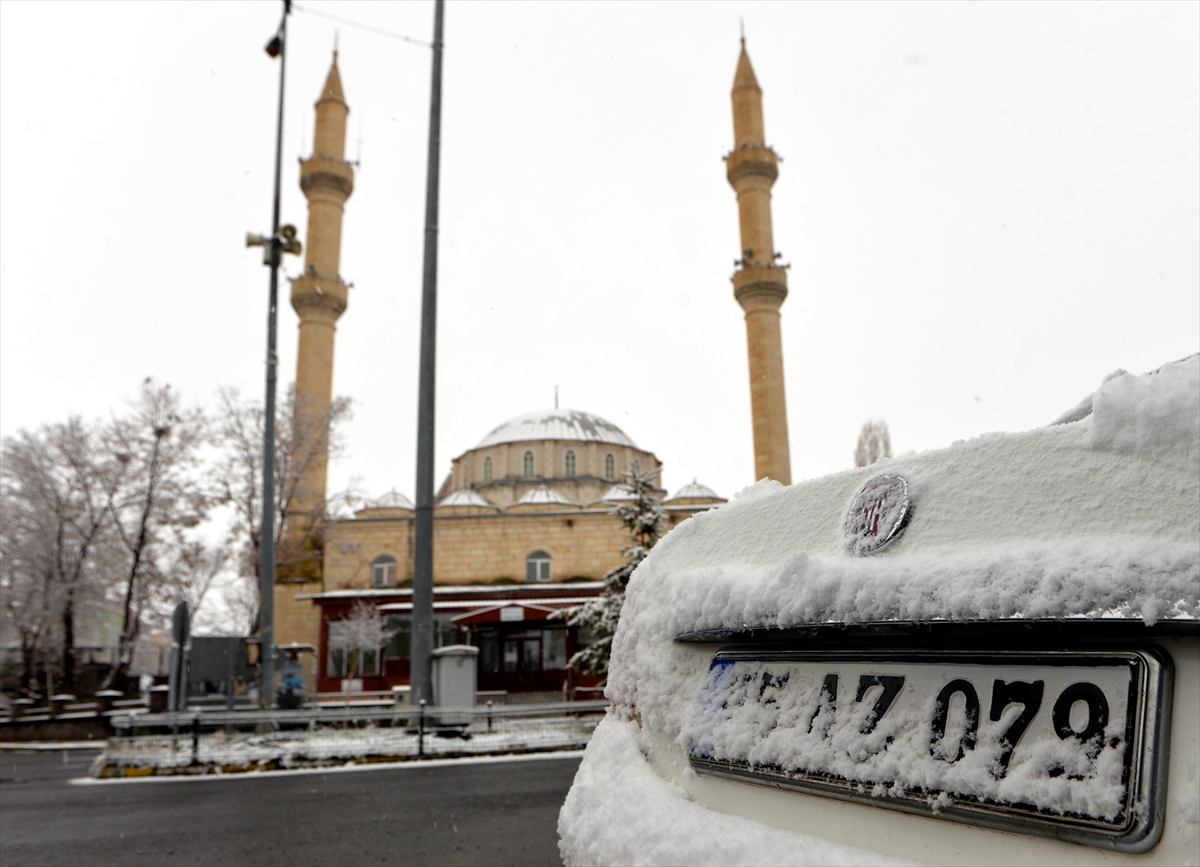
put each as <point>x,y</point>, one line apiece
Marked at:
<point>759,284</point>
<point>319,297</point>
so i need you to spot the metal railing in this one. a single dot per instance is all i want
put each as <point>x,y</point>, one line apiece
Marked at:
<point>205,741</point>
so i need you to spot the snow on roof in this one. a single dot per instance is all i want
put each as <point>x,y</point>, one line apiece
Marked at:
<point>543,494</point>
<point>465,497</point>
<point>557,424</point>
<point>695,490</point>
<point>393,499</point>
<point>1093,520</point>
<point>616,494</point>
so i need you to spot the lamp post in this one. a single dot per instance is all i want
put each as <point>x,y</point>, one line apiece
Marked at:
<point>422,614</point>
<point>280,241</point>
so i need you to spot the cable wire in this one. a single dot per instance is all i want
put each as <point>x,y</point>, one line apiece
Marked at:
<point>361,26</point>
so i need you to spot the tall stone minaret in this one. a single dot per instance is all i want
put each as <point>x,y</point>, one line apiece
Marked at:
<point>759,285</point>
<point>319,297</point>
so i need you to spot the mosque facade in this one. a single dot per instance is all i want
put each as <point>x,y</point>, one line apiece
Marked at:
<point>523,524</point>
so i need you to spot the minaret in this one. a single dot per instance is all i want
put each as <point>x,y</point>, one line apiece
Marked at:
<point>759,285</point>
<point>319,297</point>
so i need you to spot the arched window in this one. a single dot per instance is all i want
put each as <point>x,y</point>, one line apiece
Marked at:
<point>569,463</point>
<point>383,571</point>
<point>487,469</point>
<point>637,466</point>
<point>527,468</point>
<point>537,568</point>
<point>610,468</point>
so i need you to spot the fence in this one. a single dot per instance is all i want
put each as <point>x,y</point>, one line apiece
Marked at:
<point>207,741</point>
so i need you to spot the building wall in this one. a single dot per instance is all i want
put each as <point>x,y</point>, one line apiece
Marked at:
<point>510,482</point>
<point>296,622</point>
<point>478,548</point>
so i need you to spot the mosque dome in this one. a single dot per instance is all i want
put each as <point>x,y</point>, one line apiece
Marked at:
<point>393,499</point>
<point>557,424</point>
<point>464,497</point>
<point>693,490</point>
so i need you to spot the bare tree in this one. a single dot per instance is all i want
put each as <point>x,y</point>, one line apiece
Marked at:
<point>873,444</point>
<point>364,630</point>
<point>192,572</point>
<point>25,588</point>
<point>301,439</point>
<point>160,497</point>
<point>58,489</point>
<point>239,594</point>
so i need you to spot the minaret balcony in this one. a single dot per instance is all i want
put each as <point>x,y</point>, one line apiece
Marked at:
<point>760,285</point>
<point>320,173</point>
<point>752,160</point>
<point>319,296</point>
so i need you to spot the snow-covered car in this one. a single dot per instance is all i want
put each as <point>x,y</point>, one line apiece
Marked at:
<point>986,654</point>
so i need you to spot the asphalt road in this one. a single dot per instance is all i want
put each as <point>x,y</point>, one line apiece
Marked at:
<point>503,812</point>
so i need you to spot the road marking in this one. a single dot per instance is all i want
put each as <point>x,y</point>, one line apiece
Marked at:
<point>339,769</point>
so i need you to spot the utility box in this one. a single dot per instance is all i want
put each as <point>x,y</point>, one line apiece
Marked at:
<point>218,659</point>
<point>454,678</point>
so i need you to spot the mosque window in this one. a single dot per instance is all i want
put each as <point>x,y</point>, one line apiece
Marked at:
<point>487,469</point>
<point>569,463</point>
<point>527,468</point>
<point>383,571</point>
<point>637,466</point>
<point>610,468</point>
<point>537,568</point>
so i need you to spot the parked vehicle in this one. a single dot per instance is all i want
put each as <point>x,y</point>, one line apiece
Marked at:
<point>986,654</point>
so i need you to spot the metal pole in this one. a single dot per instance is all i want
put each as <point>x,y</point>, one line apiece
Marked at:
<point>422,646</point>
<point>421,717</point>
<point>266,572</point>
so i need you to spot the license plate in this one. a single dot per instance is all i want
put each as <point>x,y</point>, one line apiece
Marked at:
<point>1067,744</point>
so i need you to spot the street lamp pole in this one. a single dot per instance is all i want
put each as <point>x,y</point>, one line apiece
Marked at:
<point>277,47</point>
<point>422,645</point>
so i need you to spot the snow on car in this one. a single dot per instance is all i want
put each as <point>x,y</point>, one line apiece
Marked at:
<point>988,653</point>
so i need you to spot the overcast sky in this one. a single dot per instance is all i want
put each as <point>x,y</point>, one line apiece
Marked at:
<point>987,207</point>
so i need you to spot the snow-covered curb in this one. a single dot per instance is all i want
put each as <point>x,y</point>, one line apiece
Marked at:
<point>347,768</point>
<point>326,747</point>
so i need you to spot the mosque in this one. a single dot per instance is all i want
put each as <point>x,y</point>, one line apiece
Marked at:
<point>522,524</point>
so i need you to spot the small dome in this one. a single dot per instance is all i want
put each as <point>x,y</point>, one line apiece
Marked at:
<point>557,424</point>
<point>696,491</point>
<point>543,494</point>
<point>393,499</point>
<point>617,494</point>
<point>465,497</point>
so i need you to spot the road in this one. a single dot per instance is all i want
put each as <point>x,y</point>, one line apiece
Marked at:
<point>467,812</point>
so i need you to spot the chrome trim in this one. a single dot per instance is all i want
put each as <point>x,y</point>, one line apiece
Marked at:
<point>1148,728</point>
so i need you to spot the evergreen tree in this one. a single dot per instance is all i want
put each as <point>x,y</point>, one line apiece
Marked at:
<point>641,515</point>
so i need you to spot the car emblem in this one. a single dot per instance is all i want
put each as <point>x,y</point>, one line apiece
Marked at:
<point>877,515</point>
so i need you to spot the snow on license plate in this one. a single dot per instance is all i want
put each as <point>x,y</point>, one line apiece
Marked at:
<point>1053,743</point>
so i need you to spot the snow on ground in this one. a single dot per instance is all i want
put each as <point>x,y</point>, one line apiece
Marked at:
<point>290,748</point>
<point>619,811</point>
